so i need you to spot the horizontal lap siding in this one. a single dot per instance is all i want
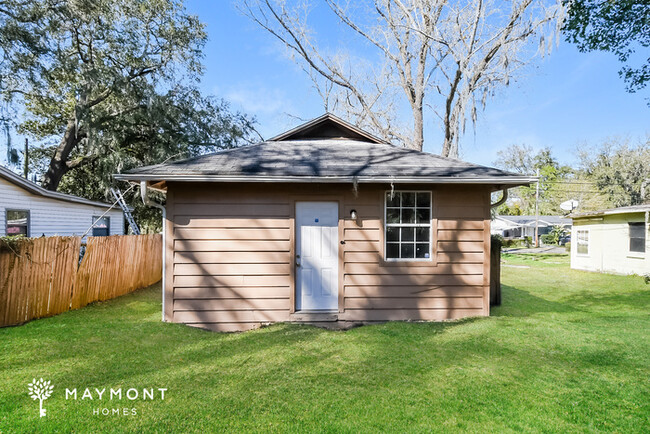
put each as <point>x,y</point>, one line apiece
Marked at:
<point>451,286</point>
<point>231,256</point>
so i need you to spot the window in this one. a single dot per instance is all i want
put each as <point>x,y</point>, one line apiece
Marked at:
<point>408,225</point>
<point>637,237</point>
<point>17,222</point>
<point>583,242</point>
<point>101,227</point>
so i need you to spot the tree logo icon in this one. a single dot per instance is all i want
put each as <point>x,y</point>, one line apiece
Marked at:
<point>40,390</point>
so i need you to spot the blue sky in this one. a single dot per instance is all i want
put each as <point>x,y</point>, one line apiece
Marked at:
<point>568,98</point>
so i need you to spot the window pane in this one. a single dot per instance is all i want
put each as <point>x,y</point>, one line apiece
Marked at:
<point>582,249</point>
<point>424,200</point>
<point>637,230</point>
<point>408,250</point>
<point>408,234</point>
<point>16,215</point>
<point>16,229</point>
<point>408,199</point>
<point>17,222</point>
<point>408,215</point>
<point>423,215</point>
<point>422,250</point>
<point>392,201</point>
<point>101,227</point>
<point>392,215</point>
<point>422,234</point>
<point>392,234</point>
<point>392,250</point>
<point>637,245</point>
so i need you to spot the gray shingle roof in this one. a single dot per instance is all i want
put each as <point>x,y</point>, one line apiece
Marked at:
<point>529,220</point>
<point>324,160</point>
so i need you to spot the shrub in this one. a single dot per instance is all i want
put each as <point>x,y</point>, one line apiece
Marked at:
<point>498,240</point>
<point>548,239</point>
<point>567,246</point>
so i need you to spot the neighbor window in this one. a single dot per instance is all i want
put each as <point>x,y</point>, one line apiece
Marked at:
<point>101,226</point>
<point>17,222</point>
<point>583,242</point>
<point>408,225</point>
<point>637,237</point>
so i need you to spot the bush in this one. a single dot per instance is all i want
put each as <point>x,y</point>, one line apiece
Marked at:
<point>498,240</point>
<point>548,239</point>
<point>567,246</point>
<point>528,241</point>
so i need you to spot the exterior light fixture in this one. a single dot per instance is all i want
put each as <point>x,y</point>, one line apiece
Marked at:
<point>353,214</point>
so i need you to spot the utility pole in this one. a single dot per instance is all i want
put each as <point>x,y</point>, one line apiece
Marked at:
<point>26,168</point>
<point>537,211</point>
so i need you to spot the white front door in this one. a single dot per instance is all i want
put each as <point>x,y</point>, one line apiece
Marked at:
<point>317,256</point>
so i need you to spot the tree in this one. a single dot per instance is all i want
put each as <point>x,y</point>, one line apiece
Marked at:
<point>620,170</point>
<point>621,27</point>
<point>112,82</point>
<point>438,55</point>
<point>556,183</point>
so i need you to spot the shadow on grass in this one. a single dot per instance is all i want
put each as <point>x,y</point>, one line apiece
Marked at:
<point>637,300</point>
<point>520,303</point>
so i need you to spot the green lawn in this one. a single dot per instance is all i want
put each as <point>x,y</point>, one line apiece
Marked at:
<point>567,351</point>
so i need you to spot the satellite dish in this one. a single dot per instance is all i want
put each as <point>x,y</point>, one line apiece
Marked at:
<point>569,205</point>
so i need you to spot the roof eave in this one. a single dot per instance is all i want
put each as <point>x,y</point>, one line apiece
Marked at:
<point>607,212</point>
<point>507,182</point>
<point>40,191</point>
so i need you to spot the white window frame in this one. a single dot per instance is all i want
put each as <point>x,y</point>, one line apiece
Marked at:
<point>413,225</point>
<point>578,241</point>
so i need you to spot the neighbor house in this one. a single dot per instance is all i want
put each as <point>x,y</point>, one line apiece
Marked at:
<point>324,223</point>
<point>613,241</point>
<point>27,208</point>
<point>522,226</point>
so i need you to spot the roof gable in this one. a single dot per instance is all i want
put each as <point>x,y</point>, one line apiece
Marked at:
<point>327,126</point>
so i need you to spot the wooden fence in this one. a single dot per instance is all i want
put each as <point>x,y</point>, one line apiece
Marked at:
<point>42,277</point>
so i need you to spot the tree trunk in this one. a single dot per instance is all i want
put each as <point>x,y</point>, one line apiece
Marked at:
<point>450,146</point>
<point>447,144</point>
<point>58,165</point>
<point>418,129</point>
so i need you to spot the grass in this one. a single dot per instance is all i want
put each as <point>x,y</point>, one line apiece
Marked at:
<point>567,351</point>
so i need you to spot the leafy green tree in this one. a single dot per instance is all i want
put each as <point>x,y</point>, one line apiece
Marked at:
<point>553,176</point>
<point>106,85</point>
<point>620,170</point>
<point>621,27</point>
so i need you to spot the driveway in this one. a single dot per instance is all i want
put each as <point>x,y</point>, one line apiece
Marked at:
<point>544,249</point>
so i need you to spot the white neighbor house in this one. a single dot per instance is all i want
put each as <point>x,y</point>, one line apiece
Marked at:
<point>612,241</point>
<point>29,209</point>
<point>521,226</point>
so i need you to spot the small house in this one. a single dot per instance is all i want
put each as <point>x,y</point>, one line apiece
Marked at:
<point>515,227</point>
<point>28,209</point>
<point>612,241</point>
<point>323,224</point>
